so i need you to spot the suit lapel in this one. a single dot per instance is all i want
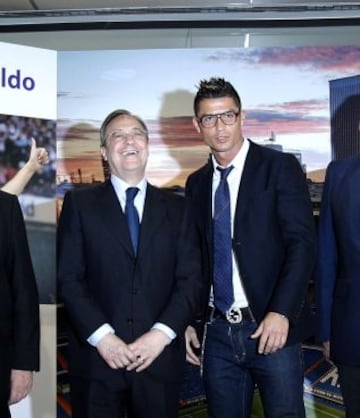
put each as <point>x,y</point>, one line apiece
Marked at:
<point>112,216</point>
<point>246,189</point>
<point>152,219</point>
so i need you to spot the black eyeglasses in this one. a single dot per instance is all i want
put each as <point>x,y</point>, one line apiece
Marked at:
<point>122,136</point>
<point>228,118</point>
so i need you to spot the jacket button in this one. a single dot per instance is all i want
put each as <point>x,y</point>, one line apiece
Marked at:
<point>129,320</point>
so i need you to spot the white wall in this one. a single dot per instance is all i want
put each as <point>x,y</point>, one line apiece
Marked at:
<point>186,38</point>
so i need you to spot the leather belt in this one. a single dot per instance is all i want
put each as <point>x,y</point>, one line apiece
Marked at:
<point>233,315</point>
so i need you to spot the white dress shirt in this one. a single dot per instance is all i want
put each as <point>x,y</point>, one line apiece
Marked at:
<point>234,179</point>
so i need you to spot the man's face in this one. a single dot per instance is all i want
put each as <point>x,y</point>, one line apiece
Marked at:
<point>224,140</point>
<point>126,147</point>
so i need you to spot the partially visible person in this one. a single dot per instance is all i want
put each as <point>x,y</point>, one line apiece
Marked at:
<point>38,157</point>
<point>129,276</point>
<point>337,278</point>
<point>253,210</point>
<point>19,307</point>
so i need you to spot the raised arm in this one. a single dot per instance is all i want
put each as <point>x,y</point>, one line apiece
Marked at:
<point>38,157</point>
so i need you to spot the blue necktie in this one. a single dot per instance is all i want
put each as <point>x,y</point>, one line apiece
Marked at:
<point>223,287</point>
<point>132,216</point>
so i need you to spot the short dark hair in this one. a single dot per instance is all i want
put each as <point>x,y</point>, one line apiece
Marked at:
<point>114,114</point>
<point>214,88</point>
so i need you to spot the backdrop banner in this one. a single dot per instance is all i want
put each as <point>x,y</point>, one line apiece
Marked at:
<point>28,108</point>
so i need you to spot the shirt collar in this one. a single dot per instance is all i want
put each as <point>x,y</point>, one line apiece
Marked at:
<point>120,185</point>
<point>239,159</point>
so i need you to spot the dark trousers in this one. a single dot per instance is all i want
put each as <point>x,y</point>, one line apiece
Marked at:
<point>133,395</point>
<point>4,384</point>
<point>4,398</point>
<point>349,377</point>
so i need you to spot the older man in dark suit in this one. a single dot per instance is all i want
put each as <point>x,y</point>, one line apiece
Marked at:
<point>19,307</point>
<point>337,276</point>
<point>253,210</point>
<point>129,275</point>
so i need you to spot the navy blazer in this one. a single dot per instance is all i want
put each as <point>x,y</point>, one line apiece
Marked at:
<point>274,234</point>
<point>338,270</point>
<point>101,280</point>
<point>19,303</point>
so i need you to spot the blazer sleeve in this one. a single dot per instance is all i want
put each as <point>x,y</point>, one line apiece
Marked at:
<point>25,324</point>
<point>297,226</point>
<point>85,314</point>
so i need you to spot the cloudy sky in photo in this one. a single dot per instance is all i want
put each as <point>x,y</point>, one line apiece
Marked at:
<point>284,91</point>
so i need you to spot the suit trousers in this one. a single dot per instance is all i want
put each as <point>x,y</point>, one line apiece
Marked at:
<point>132,395</point>
<point>4,382</point>
<point>350,383</point>
<point>4,394</point>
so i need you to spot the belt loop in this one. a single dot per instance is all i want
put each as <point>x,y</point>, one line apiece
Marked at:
<point>211,314</point>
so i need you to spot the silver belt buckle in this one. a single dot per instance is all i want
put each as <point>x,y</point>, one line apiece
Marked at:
<point>234,315</point>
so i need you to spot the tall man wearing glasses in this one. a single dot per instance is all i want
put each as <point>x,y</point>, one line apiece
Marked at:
<point>129,277</point>
<point>253,210</point>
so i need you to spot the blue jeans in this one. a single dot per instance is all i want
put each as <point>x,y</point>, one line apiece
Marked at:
<point>232,367</point>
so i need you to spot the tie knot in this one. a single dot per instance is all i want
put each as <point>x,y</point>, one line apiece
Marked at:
<point>131,192</point>
<point>224,172</point>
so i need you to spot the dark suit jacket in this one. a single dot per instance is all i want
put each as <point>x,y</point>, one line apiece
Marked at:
<point>19,304</point>
<point>274,236</point>
<point>101,281</point>
<point>338,270</point>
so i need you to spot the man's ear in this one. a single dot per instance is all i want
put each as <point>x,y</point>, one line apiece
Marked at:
<point>196,125</point>
<point>242,117</point>
<point>103,153</point>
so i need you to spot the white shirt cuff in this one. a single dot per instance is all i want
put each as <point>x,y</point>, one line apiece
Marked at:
<point>96,336</point>
<point>165,329</point>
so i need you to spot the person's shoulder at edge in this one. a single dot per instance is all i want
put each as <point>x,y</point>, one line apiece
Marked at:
<point>337,169</point>
<point>6,195</point>
<point>344,163</point>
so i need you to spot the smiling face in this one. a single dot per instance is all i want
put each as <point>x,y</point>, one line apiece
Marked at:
<point>126,148</point>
